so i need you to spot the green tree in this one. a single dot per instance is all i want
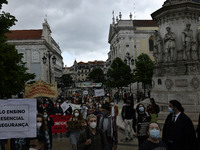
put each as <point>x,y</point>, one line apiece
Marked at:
<point>144,70</point>
<point>97,75</point>
<point>119,74</point>
<point>13,73</point>
<point>66,80</point>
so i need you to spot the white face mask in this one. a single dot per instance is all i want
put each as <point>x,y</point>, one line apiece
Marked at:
<point>39,124</point>
<point>93,125</point>
<point>76,114</point>
<point>33,149</point>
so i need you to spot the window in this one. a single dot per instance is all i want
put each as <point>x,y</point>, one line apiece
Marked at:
<point>151,43</point>
<point>159,82</point>
<point>127,45</point>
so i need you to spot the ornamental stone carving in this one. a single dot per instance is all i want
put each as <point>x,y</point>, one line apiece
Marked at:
<point>194,83</point>
<point>158,47</point>
<point>169,41</point>
<point>188,42</point>
<point>168,83</point>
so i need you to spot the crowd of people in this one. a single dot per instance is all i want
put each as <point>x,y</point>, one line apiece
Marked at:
<point>94,125</point>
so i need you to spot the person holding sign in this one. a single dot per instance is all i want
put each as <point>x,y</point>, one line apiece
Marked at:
<point>142,123</point>
<point>153,142</point>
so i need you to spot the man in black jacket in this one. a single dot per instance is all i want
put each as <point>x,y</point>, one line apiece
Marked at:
<point>128,114</point>
<point>178,130</point>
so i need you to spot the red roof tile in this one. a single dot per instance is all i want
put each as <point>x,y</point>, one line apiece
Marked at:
<point>145,23</point>
<point>24,34</point>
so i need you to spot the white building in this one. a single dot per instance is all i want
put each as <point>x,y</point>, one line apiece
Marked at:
<point>35,45</point>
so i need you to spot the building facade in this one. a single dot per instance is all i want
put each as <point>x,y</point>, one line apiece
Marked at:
<point>80,71</point>
<point>38,49</point>
<point>130,38</point>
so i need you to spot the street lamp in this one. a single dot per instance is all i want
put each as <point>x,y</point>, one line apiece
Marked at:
<point>44,59</point>
<point>129,61</point>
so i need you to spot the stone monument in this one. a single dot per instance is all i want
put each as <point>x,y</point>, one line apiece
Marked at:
<point>177,54</point>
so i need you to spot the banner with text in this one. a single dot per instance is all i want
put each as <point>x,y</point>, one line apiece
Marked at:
<point>99,92</point>
<point>17,118</point>
<point>41,88</point>
<point>59,123</point>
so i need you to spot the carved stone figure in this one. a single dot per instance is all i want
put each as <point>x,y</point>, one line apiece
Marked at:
<point>158,47</point>
<point>188,42</point>
<point>169,45</point>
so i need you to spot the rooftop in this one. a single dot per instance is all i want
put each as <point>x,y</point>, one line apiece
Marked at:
<point>24,34</point>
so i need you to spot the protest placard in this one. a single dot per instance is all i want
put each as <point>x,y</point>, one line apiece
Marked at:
<point>64,106</point>
<point>17,118</point>
<point>41,88</point>
<point>99,92</point>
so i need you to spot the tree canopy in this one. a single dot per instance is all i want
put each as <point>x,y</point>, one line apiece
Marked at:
<point>13,73</point>
<point>119,74</point>
<point>144,69</point>
<point>66,80</point>
<point>97,75</point>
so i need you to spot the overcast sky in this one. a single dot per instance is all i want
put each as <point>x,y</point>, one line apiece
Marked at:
<point>80,27</point>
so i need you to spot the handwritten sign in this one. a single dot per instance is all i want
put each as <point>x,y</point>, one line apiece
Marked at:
<point>40,88</point>
<point>17,118</point>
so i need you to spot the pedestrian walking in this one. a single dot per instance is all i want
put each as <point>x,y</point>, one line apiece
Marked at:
<point>153,142</point>
<point>50,123</point>
<point>92,138</point>
<point>143,120</point>
<point>42,130</point>
<point>108,124</point>
<point>74,126</point>
<point>128,114</point>
<point>178,130</point>
<point>153,110</point>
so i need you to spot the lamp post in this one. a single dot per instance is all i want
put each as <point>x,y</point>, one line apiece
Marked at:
<point>129,61</point>
<point>44,59</point>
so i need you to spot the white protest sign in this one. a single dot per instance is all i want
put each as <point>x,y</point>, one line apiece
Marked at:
<point>85,92</point>
<point>99,92</point>
<point>17,118</point>
<point>64,106</point>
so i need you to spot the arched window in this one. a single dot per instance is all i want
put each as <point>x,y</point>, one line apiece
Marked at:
<point>159,82</point>
<point>151,43</point>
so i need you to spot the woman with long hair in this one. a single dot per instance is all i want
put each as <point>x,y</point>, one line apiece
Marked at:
<point>74,126</point>
<point>42,129</point>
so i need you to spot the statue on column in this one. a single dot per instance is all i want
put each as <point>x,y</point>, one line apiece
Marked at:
<point>157,47</point>
<point>170,46</point>
<point>188,42</point>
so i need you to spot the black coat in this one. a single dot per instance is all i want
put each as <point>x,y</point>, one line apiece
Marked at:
<point>179,135</point>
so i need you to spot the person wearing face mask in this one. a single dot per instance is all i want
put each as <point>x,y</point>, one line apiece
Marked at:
<point>108,124</point>
<point>84,111</point>
<point>142,122</point>
<point>50,123</point>
<point>128,114</point>
<point>92,138</point>
<point>153,142</point>
<point>113,109</point>
<point>58,110</point>
<point>74,126</point>
<point>42,130</point>
<point>178,130</point>
<point>36,143</point>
